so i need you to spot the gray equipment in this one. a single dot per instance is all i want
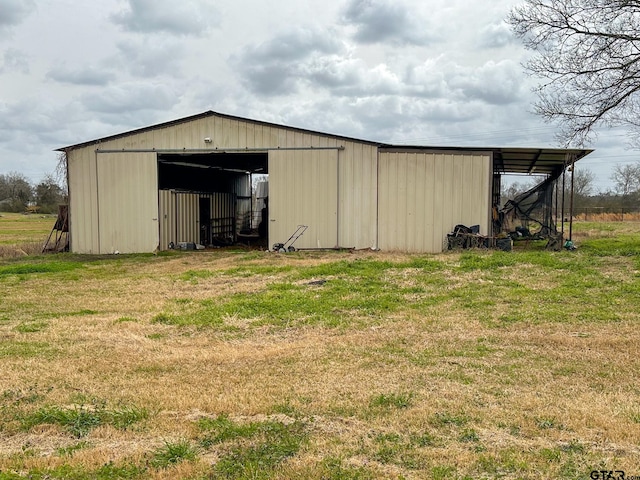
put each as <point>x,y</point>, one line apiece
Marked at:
<point>288,245</point>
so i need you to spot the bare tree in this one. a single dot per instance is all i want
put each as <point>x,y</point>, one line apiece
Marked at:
<point>4,188</point>
<point>583,182</point>
<point>512,190</point>
<point>626,178</point>
<point>60,175</point>
<point>587,54</point>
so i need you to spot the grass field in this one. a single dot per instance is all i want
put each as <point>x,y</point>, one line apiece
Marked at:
<point>250,365</point>
<point>21,234</point>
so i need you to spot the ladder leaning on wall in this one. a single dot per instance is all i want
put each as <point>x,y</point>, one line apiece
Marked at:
<point>58,240</point>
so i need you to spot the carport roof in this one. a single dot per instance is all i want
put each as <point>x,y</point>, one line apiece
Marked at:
<point>535,160</point>
<point>506,159</point>
<point>517,160</point>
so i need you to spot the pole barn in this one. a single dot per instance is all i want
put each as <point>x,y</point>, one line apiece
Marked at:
<point>189,181</point>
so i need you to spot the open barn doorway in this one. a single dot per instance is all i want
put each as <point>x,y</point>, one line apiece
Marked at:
<point>206,200</point>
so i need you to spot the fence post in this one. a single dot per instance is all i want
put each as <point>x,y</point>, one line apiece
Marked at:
<point>573,174</point>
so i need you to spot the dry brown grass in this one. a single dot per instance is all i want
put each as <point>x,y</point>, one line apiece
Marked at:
<point>531,397</point>
<point>23,249</point>
<point>582,230</point>
<point>609,217</point>
<point>22,235</point>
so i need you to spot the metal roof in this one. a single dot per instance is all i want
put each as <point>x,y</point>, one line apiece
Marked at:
<point>517,160</point>
<point>545,161</point>
<point>253,162</point>
<point>208,113</point>
<point>535,160</point>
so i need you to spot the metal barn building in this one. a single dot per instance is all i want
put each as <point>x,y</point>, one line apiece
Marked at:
<point>189,180</point>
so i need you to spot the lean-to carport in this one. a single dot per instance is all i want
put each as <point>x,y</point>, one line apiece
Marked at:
<point>553,165</point>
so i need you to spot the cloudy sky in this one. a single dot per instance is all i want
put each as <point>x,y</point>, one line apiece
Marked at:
<point>421,72</point>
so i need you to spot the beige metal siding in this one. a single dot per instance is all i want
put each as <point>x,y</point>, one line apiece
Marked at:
<point>187,217</point>
<point>352,195</point>
<point>303,190</point>
<point>83,202</point>
<point>424,195</point>
<point>358,178</point>
<point>127,202</point>
<point>167,202</point>
<point>180,215</point>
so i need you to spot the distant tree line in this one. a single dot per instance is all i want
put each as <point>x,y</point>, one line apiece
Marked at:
<point>624,197</point>
<point>17,193</point>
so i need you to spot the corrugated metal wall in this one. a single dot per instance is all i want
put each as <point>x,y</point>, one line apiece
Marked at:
<point>335,191</point>
<point>83,202</point>
<point>424,195</point>
<point>127,202</point>
<point>303,190</point>
<point>358,178</point>
<point>356,208</point>
<point>168,218</point>
<point>180,214</point>
<point>187,217</point>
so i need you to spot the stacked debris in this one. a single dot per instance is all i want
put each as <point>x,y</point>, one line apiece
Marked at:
<point>521,233</point>
<point>465,237</point>
<point>469,237</point>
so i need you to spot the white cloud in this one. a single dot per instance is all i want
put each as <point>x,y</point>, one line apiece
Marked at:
<point>30,122</point>
<point>14,61</point>
<point>129,98</point>
<point>184,17</point>
<point>148,58</point>
<point>335,72</point>
<point>377,81</point>
<point>496,35</point>
<point>279,65</point>
<point>14,12</point>
<point>493,83</point>
<point>295,44</point>
<point>428,80</point>
<point>388,21</point>
<point>85,75</point>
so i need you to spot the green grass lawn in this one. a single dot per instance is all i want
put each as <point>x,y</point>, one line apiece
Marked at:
<point>251,365</point>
